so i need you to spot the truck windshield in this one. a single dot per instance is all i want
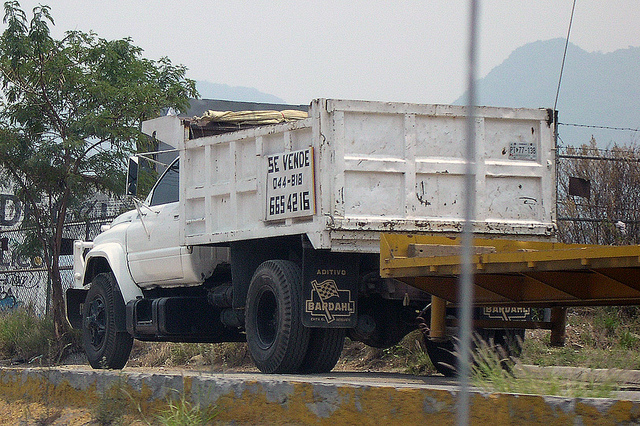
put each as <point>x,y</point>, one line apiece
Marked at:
<point>166,190</point>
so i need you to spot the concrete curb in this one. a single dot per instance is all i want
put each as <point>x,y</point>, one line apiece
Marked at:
<point>586,374</point>
<point>250,398</point>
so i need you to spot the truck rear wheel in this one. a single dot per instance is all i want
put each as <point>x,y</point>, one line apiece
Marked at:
<point>506,344</point>
<point>105,346</point>
<point>276,338</point>
<point>325,347</point>
<point>509,340</point>
<point>442,355</point>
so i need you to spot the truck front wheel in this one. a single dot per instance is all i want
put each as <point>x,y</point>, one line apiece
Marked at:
<point>105,346</point>
<point>276,338</point>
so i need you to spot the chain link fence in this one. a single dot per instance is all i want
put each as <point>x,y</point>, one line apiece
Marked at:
<point>598,195</point>
<point>24,280</point>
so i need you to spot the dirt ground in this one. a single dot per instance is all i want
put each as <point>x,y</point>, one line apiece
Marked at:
<point>36,414</point>
<point>23,413</point>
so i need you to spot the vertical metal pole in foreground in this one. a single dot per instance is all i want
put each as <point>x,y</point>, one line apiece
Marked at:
<point>466,276</point>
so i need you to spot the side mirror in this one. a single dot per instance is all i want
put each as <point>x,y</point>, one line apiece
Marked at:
<point>132,176</point>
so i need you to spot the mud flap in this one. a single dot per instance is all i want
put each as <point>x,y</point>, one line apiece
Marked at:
<point>330,289</point>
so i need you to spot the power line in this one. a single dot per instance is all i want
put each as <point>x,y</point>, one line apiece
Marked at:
<point>598,150</point>
<point>593,126</point>
<point>564,55</point>
<point>594,157</point>
<point>631,155</point>
<point>595,220</point>
<point>597,207</point>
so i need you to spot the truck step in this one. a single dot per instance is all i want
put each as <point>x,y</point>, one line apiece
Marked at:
<point>177,319</point>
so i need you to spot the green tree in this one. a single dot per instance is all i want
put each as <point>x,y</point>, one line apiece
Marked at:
<point>70,115</point>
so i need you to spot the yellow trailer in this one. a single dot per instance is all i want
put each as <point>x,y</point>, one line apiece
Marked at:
<point>509,273</point>
<point>516,273</point>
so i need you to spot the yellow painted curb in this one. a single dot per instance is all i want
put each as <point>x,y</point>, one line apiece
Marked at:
<point>250,398</point>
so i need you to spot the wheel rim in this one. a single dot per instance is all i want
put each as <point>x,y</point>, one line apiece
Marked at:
<point>97,322</point>
<point>267,319</point>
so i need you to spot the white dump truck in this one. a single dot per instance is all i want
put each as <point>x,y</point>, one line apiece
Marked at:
<point>271,234</point>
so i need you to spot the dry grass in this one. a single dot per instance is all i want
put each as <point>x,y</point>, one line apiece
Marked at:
<point>408,356</point>
<point>602,337</point>
<point>494,371</point>
<point>218,356</point>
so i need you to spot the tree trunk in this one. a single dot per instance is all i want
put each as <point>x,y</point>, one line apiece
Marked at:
<point>57,295</point>
<point>60,324</point>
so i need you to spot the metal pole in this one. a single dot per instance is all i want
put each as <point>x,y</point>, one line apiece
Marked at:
<point>466,276</point>
<point>438,316</point>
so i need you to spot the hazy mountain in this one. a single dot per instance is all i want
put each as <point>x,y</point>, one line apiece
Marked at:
<point>598,89</point>
<point>209,90</point>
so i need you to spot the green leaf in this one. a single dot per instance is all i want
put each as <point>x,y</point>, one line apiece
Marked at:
<point>71,113</point>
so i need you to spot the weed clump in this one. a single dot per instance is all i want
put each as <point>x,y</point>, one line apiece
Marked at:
<point>183,412</point>
<point>25,336</point>
<point>112,406</point>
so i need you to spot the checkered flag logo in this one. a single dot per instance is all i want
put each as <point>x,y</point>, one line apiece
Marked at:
<point>326,290</point>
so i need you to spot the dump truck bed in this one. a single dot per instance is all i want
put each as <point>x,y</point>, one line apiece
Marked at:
<point>354,169</point>
<point>516,273</point>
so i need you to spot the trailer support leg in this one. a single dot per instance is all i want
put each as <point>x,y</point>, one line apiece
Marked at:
<point>438,315</point>
<point>558,325</point>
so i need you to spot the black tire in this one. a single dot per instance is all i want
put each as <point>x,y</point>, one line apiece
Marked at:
<point>510,340</point>
<point>442,354</point>
<point>506,343</point>
<point>325,347</point>
<point>105,346</point>
<point>276,338</point>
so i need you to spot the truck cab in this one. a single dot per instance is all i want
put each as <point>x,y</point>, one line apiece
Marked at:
<point>154,254</point>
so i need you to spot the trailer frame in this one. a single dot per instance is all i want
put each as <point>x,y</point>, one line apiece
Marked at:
<point>514,273</point>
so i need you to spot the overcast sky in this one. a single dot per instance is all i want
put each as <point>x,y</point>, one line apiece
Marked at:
<point>410,51</point>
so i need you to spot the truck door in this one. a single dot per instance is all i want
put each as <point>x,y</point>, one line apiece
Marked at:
<point>153,249</point>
